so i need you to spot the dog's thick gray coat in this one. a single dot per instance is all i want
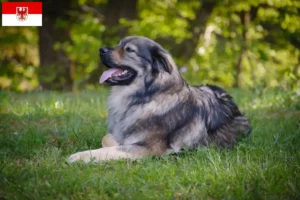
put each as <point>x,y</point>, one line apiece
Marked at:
<point>156,112</point>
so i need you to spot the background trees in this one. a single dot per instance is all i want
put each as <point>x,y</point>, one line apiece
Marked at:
<point>233,43</point>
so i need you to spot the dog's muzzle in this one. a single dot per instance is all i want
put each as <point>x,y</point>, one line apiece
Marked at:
<point>116,75</point>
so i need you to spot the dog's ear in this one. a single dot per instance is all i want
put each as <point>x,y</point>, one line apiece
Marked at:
<point>161,60</point>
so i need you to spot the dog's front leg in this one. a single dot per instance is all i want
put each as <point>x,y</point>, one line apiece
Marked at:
<point>109,141</point>
<point>110,153</point>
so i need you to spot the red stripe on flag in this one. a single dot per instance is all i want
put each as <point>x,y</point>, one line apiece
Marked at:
<point>33,7</point>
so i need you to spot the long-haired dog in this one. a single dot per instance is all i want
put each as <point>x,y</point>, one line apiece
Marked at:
<point>152,111</point>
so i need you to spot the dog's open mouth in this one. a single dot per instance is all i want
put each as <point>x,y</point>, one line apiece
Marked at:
<point>118,76</point>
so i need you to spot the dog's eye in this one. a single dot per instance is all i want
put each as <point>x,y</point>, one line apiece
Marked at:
<point>128,49</point>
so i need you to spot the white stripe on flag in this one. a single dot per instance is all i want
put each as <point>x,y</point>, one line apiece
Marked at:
<point>11,20</point>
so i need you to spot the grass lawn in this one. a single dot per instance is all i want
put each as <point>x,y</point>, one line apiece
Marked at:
<point>38,131</point>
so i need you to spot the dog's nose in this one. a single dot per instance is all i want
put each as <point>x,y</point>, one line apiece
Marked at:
<point>103,50</point>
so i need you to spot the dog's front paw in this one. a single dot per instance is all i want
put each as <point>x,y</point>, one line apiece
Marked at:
<point>80,156</point>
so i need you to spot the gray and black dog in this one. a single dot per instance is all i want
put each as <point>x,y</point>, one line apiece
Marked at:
<point>152,111</point>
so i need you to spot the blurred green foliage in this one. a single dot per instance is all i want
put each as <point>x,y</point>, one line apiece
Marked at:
<point>18,58</point>
<point>262,50</point>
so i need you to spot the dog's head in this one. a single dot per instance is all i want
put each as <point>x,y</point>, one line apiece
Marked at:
<point>134,57</point>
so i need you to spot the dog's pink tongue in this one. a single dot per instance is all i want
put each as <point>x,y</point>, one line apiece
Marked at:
<point>107,74</point>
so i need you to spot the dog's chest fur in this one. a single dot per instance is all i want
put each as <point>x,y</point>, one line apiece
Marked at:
<point>119,117</point>
<point>123,115</point>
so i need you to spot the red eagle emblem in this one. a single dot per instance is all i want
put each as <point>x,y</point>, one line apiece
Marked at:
<point>22,13</point>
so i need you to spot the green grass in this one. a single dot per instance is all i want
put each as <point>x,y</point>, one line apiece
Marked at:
<point>38,131</point>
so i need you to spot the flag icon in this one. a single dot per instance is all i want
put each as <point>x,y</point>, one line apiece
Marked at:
<point>21,13</point>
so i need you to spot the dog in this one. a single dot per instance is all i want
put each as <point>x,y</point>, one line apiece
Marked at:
<point>153,111</point>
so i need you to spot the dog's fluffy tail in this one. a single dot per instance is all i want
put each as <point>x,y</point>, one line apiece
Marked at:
<point>243,125</point>
<point>228,135</point>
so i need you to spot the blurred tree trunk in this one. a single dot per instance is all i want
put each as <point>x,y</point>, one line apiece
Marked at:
<point>114,11</point>
<point>197,27</point>
<point>296,70</point>
<point>245,20</point>
<point>55,67</point>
